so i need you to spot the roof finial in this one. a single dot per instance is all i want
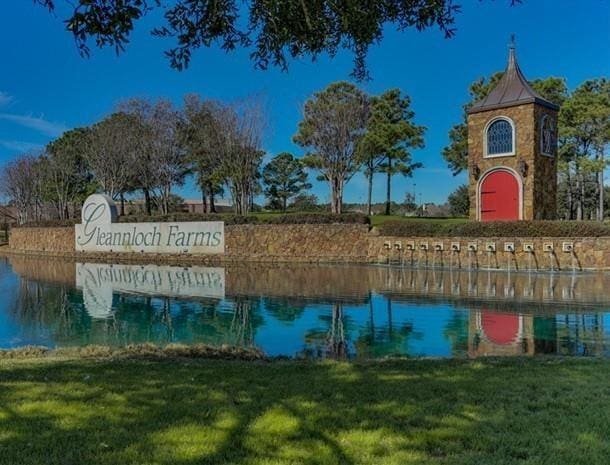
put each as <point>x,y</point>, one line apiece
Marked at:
<point>511,53</point>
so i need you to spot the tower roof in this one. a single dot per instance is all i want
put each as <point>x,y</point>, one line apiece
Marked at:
<point>512,89</point>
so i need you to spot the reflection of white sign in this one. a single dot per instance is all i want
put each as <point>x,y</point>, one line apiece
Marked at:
<point>100,281</point>
<point>99,232</point>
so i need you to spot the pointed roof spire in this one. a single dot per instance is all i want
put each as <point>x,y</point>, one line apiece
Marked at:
<point>512,89</point>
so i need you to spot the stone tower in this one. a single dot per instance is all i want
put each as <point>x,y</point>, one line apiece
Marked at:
<point>512,151</point>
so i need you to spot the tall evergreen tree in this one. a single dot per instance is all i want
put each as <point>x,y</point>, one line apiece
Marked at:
<point>390,136</point>
<point>284,178</point>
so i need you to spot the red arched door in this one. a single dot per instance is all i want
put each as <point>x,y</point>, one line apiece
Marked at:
<point>499,194</point>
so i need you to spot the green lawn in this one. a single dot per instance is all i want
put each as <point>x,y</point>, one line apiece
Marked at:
<point>510,411</point>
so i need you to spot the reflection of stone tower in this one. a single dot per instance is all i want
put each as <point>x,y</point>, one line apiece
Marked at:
<point>512,152</point>
<point>499,333</point>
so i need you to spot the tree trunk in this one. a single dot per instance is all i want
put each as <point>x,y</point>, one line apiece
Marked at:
<point>600,186</point>
<point>370,193</point>
<point>147,204</point>
<point>204,201</point>
<point>569,194</point>
<point>579,199</point>
<point>388,188</point>
<point>122,204</point>
<point>284,202</point>
<point>582,197</point>
<point>212,203</point>
<point>336,202</point>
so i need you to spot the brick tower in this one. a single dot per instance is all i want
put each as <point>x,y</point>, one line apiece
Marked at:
<point>512,151</point>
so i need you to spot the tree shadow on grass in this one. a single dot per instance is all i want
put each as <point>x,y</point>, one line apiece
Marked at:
<point>214,412</point>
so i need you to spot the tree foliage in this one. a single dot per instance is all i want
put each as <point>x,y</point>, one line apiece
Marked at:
<point>274,31</point>
<point>459,201</point>
<point>284,178</point>
<point>334,122</point>
<point>390,135</point>
<point>66,177</point>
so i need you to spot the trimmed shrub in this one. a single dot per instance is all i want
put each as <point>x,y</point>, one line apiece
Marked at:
<point>496,229</point>
<point>296,218</point>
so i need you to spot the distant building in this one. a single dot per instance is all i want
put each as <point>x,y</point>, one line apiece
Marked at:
<point>136,206</point>
<point>196,206</point>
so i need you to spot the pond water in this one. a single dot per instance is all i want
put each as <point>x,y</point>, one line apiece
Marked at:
<point>305,311</point>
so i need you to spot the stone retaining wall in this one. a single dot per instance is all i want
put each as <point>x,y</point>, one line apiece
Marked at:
<point>346,244</point>
<point>340,243</point>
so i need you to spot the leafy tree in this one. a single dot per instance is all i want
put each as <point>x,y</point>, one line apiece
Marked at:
<point>333,124</point>
<point>199,133</point>
<point>584,134</point>
<point>65,175</point>
<point>459,201</point>
<point>284,177</point>
<point>305,202</point>
<point>456,153</point>
<point>275,30</point>
<point>390,135</point>
<point>409,204</point>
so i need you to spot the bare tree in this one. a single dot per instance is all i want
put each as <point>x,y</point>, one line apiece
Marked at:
<point>334,121</point>
<point>239,138</point>
<point>159,155</point>
<point>110,144</point>
<point>21,184</point>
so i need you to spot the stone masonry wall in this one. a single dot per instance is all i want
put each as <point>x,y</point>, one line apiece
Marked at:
<point>293,243</point>
<point>345,244</point>
<point>591,253</point>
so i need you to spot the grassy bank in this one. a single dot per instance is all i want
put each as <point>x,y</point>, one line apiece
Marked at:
<point>67,411</point>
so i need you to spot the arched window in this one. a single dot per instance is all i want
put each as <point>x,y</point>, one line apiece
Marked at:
<point>500,138</point>
<point>548,138</point>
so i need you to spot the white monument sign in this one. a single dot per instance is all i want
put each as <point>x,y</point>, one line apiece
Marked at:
<point>99,232</point>
<point>99,282</point>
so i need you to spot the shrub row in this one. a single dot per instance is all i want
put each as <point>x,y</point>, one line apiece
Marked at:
<point>301,218</point>
<point>496,229</point>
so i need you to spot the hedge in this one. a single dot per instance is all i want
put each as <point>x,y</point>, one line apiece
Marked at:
<point>496,229</point>
<point>301,218</point>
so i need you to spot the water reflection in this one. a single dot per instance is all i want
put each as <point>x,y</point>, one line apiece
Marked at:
<point>311,311</point>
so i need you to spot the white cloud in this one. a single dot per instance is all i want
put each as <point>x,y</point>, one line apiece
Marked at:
<point>20,146</point>
<point>5,99</point>
<point>40,125</point>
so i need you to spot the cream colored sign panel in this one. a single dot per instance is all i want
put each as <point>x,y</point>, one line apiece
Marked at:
<point>100,233</point>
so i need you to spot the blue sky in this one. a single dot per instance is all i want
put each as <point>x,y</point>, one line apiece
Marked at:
<point>46,87</point>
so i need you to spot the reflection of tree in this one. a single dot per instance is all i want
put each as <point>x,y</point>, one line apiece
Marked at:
<point>378,340</point>
<point>456,331</point>
<point>56,314</point>
<point>330,341</point>
<point>244,321</point>
<point>43,310</point>
<point>581,334</point>
<point>285,310</point>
